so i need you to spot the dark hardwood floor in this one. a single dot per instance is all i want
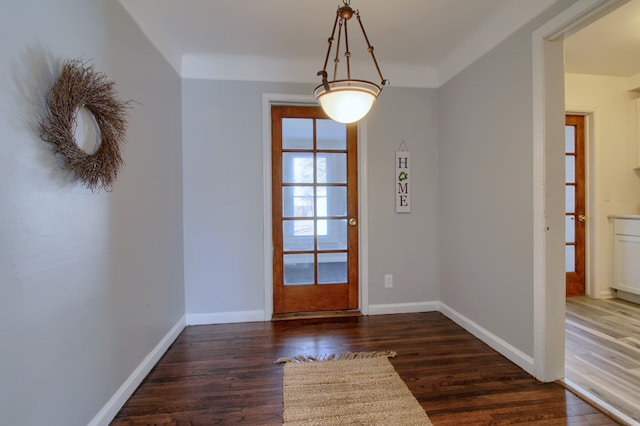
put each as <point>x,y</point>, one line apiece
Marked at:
<point>224,374</point>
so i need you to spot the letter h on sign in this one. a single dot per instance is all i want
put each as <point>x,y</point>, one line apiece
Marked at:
<point>403,187</point>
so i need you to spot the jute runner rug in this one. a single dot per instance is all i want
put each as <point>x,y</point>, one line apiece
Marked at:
<point>350,389</point>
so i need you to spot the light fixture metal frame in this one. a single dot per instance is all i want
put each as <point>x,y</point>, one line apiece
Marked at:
<point>343,14</point>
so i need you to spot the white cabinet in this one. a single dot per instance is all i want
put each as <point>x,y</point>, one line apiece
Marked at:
<point>626,254</point>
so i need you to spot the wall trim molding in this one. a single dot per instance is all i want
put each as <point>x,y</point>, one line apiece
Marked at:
<point>404,308</point>
<point>117,401</point>
<point>363,219</point>
<point>269,99</point>
<point>256,315</point>
<point>512,353</point>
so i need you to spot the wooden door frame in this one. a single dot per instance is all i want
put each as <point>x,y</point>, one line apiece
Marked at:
<point>269,99</point>
<point>590,114</point>
<point>548,100</point>
<point>582,188</point>
<point>315,296</point>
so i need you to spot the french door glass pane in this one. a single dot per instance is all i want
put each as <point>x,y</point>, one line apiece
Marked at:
<point>569,139</point>
<point>297,235</point>
<point>297,133</point>
<point>331,200</point>
<point>335,237</point>
<point>297,201</point>
<point>570,200</point>
<point>570,258</point>
<point>332,168</point>
<point>297,167</point>
<point>570,168</point>
<point>570,229</point>
<point>331,135</point>
<point>332,268</point>
<point>299,269</point>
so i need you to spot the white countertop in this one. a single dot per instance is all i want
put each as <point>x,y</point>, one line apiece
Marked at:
<point>624,216</point>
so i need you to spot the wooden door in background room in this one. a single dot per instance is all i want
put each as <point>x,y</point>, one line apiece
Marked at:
<point>315,212</point>
<point>575,205</point>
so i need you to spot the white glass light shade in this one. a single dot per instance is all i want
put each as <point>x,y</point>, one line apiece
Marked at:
<point>348,100</point>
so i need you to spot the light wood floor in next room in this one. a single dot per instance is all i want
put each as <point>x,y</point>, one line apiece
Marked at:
<point>603,351</point>
<point>225,374</point>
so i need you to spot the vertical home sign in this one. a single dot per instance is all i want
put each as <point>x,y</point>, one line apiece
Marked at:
<point>403,187</point>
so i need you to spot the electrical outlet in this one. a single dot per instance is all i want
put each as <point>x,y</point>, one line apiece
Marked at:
<point>388,281</point>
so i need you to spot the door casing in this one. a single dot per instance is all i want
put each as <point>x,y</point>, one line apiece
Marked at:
<point>576,280</point>
<point>548,88</point>
<point>319,297</point>
<point>269,99</point>
<point>590,117</point>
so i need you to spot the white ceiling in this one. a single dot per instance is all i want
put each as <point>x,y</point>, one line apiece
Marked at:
<point>609,46</point>
<point>418,43</point>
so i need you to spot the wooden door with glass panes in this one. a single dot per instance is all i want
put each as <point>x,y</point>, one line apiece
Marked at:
<point>574,205</point>
<point>315,211</point>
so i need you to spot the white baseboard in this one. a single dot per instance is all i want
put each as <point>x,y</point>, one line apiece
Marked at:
<point>512,353</point>
<point>117,401</point>
<point>403,308</point>
<point>605,294</point>
<point>225,317</point>
<point>635,298</point>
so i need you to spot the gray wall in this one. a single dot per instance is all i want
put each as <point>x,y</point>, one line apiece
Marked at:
<point>486,192</point>
<point>224,207</point>
<point>403,244</point>
<point>89,282</point>
<point>223,193</point>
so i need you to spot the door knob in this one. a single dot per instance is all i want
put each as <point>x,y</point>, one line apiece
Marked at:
<point>581,218</point>
<point>353,221</point>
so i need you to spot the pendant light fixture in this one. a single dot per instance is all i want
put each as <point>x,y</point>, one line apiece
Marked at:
<point>346,100</point>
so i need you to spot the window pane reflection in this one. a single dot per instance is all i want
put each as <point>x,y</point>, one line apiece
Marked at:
<point>299,269</point>
<point>332,168</point>
<point>570,258</point>
<point>332,268</point>
<point>297,235</point>
<point>297,133</point>
<point>297,201</point>
<point>569,139</point>
<point>570,229</point>
<point>336,235</point>
<point>331,135</point>
<point>570,168</point>
<point>297,167</point>
<point>570,201</point>
<point>331,200</point>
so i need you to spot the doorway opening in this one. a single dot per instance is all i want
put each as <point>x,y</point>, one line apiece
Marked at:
<point>549,181</point>
<point>549,171</point>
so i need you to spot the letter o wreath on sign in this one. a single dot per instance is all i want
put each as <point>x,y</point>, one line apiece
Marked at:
<point>80,86</point>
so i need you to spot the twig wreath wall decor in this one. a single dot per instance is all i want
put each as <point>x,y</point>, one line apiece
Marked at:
<point>81,86</point>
